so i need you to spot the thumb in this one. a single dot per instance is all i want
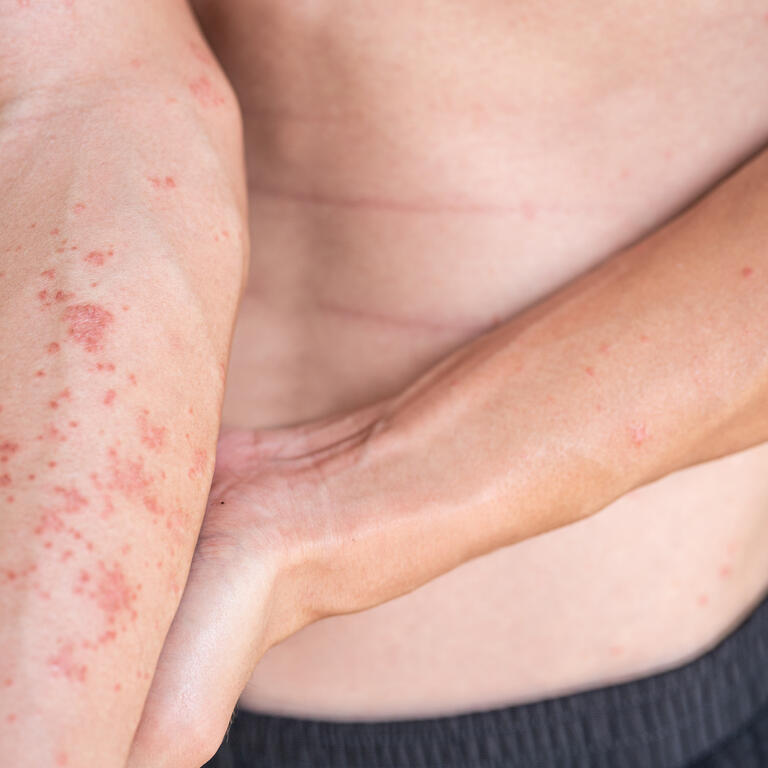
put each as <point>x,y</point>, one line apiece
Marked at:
<point>209,654</point>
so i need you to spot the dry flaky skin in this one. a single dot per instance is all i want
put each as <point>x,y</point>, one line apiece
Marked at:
<point>122,252</point>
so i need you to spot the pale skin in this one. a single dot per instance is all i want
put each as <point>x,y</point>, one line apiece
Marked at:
<point>295,538</point>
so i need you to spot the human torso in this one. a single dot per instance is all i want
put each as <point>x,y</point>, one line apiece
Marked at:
<point>418,171</point>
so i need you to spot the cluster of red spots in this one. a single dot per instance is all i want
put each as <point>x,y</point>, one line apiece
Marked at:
<point>113,594</point>
<point>98,258</point>
<point>88,325</point>
<point>747,272</point>
<point>128,477</point>
<point>7,449</point>
<point>65,664</point>
<point>47,299</point>
<point>48,273</point>
<point>199,464</point>
<point>164,183</point>
<point>109,367</point>
<point>151,436</point>
<point>638,433</point>
<point>109,397</point>
<point>65,394</point>
<point>202,89</point>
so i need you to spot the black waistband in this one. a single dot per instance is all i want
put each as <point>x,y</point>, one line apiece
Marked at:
<point>663,721</point>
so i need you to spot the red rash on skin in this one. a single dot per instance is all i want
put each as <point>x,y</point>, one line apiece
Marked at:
<point>53,348</point>
<point>158,183</point>
<point>198,465</point>
<point>88,325</point>
<point>151,436</point>
<point>64,664</point>
<point>747,272</point>
<point>203,90</point>
<point>113,594</point>
<point>40,374</point>
<point>589,370</point>
<point>98,258</point>
<point>79,207</point>
<point>106,367</point>
<point>5,481</point>
<point>49,273</point>
<point>109,397</point>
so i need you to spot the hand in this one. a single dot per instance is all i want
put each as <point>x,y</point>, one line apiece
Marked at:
<point>267,511</point>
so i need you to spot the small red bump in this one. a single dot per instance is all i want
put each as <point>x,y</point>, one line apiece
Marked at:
<point>49,273</point>
<point>747,272</point>
<point>109,397</point>
<point>79,207</point>
<point>40,374</point>
<point>590,370</point>
<point>53,348</point>
<point>5,481</point>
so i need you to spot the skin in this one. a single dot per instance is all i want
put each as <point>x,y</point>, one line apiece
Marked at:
<point>283,570</point>
<point>106,275</point>
<point>687,383</point>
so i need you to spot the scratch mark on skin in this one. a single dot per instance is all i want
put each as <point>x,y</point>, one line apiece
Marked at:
<point>423,207</point>
<point>88,325</point>
<point>399,322</point>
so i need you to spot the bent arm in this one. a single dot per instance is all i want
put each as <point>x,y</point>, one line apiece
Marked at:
<point>122,245</point>
<point>654,361</point>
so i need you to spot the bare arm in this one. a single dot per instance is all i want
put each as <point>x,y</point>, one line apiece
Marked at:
<point>652,362</point>
<point>122,250</point>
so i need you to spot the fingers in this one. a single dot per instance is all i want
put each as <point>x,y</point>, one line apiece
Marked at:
<point>209,654</point>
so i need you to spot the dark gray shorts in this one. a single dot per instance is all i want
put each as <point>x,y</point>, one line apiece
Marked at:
<point>709,713</point>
